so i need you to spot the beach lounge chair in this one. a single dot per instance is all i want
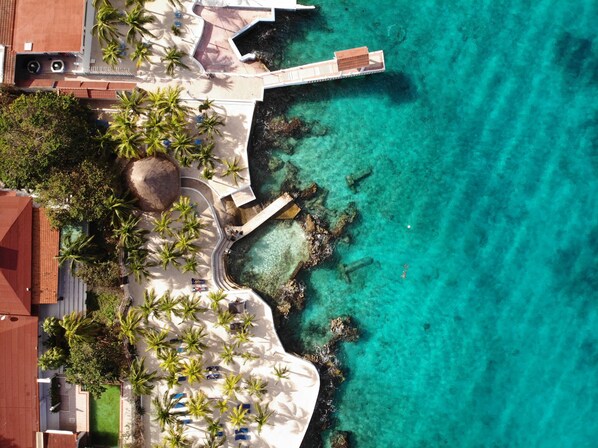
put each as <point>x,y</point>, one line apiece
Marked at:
<point>180,350</point>
<point>198,281</point>
<point>242,437</point>
<point>213,376</point>
<point>178,395</point>
<point>242,431</point>
<point>179,405</point>
<point>213,368</point>
<point>182,379</point>
<point>247,406</point>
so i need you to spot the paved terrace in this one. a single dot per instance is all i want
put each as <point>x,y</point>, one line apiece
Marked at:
<point>293,400</point>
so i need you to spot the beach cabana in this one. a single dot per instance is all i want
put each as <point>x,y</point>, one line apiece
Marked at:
<point>154,181</point>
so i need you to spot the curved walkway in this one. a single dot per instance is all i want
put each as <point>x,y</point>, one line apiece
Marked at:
<point>295,405</point>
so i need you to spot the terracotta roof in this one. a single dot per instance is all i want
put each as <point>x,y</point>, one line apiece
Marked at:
<point>50,28</point>
<point>46,242</point>
<point>15,254</point>
<point>7,21</point>
<point>352,59</point>
<point>60,440</point>
<point>19,403</point>
<point>122,85</point>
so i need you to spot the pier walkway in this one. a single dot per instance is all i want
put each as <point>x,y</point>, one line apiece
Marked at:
<point>323,71</point>
<point>235,233</point>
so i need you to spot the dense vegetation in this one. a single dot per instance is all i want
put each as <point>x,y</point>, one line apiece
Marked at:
<point>48,145</point>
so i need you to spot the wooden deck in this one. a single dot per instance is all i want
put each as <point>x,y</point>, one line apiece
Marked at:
<point>238,232</point>
<point>321,71</point>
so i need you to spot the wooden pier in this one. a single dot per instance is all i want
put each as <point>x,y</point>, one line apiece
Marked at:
<point>346,64</point>
<point>237,232</point>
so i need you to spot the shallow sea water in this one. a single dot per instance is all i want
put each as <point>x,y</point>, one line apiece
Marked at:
<point>483,141</point>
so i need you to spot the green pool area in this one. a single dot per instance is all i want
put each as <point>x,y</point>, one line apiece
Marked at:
<point>104,418</point>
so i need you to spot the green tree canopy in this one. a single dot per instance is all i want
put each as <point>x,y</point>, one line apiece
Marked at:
<point>40,133</point>
<point>79,194</point>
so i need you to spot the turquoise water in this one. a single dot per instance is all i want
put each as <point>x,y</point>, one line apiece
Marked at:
<point>483,140</point>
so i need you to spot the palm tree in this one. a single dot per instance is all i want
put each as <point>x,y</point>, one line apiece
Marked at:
<point>225,318</point>
<point>129,234</point>
<point>232,168</point>
<point>172,379</point>
<point>190,265</point>
<point>119,206</point>
<point>78,327</point>
<point>141,53</point>
<point>129,325</point>
<point>133,102</point>
<point>112,53</point>
<point>173,59</point>
<point>199,405</point>
<point>162,408</point>
<point>107,20</point>
<point>222,405</point>
<point>175,437</point>
<point>168,304</point>
<point>262,415</point>
<point>192,338</point>
<point>242,337</point>
<point>172,104</point>
<point>170,360</point>
<point>155,120</point>
<point>182,146</point>
<point>216,297</point>
<point>123,122</point>
<point>281,372</point>
<point>231,384</point>
<point>193,370</point>
<point>137,263</point>
<point>248,320</point>
<point>137,19</point>
<point>129,145</point>
<point>156,340</point>
<point>184,207</point>
<point>163,223</point>
<point>213,441</point>
<point>150,304</point>
<point>228,353</point>
<point>168,255</point>
<point>209,125</point>
<point>140,378</point>
<point>193,225</point>
<point>189,307</point>
<point>205,105</point>
<point>238,416</point>
<point>256,386</point>
<point>154,142</point>
<point>205,156</point>
<point>247,356</point>
<point>51,326</point>
<point>76,251</point>
<point>185,244</point>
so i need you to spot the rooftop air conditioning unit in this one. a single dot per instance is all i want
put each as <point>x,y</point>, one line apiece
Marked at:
<point>57,66</point>
<point>33,66</point>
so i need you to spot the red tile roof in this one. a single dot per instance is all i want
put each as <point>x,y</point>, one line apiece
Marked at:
<point>19,402</point>
<point>46,242</point>
<point>352,59</point>
<point>15,254</point>
<point>51,28</point>
<point>7,23</point>
<point>60,440</point>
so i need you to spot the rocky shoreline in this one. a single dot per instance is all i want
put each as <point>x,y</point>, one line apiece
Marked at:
<point>274,131</point>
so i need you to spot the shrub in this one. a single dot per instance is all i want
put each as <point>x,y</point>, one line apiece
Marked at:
<point>100,274</point>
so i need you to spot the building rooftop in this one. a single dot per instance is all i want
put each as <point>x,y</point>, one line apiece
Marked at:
<point>49,28</point>
<point>15,254</point>
<point>19,403</point>
<point>46,242</point>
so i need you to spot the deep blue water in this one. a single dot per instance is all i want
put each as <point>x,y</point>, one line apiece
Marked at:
<point>483,138</point>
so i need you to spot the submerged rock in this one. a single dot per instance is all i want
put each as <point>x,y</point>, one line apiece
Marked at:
<point>340,439</point>
<point>291,295</point>
<point>343,329</point>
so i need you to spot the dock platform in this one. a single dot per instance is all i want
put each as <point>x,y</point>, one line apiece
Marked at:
<point>325,70</point>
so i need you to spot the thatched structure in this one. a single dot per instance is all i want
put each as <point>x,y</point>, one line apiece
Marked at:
<point>154,181</point>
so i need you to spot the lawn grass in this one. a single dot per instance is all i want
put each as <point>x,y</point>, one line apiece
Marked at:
<point>104,418</point>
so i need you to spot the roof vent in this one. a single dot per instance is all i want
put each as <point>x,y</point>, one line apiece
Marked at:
<point>28,46</point>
